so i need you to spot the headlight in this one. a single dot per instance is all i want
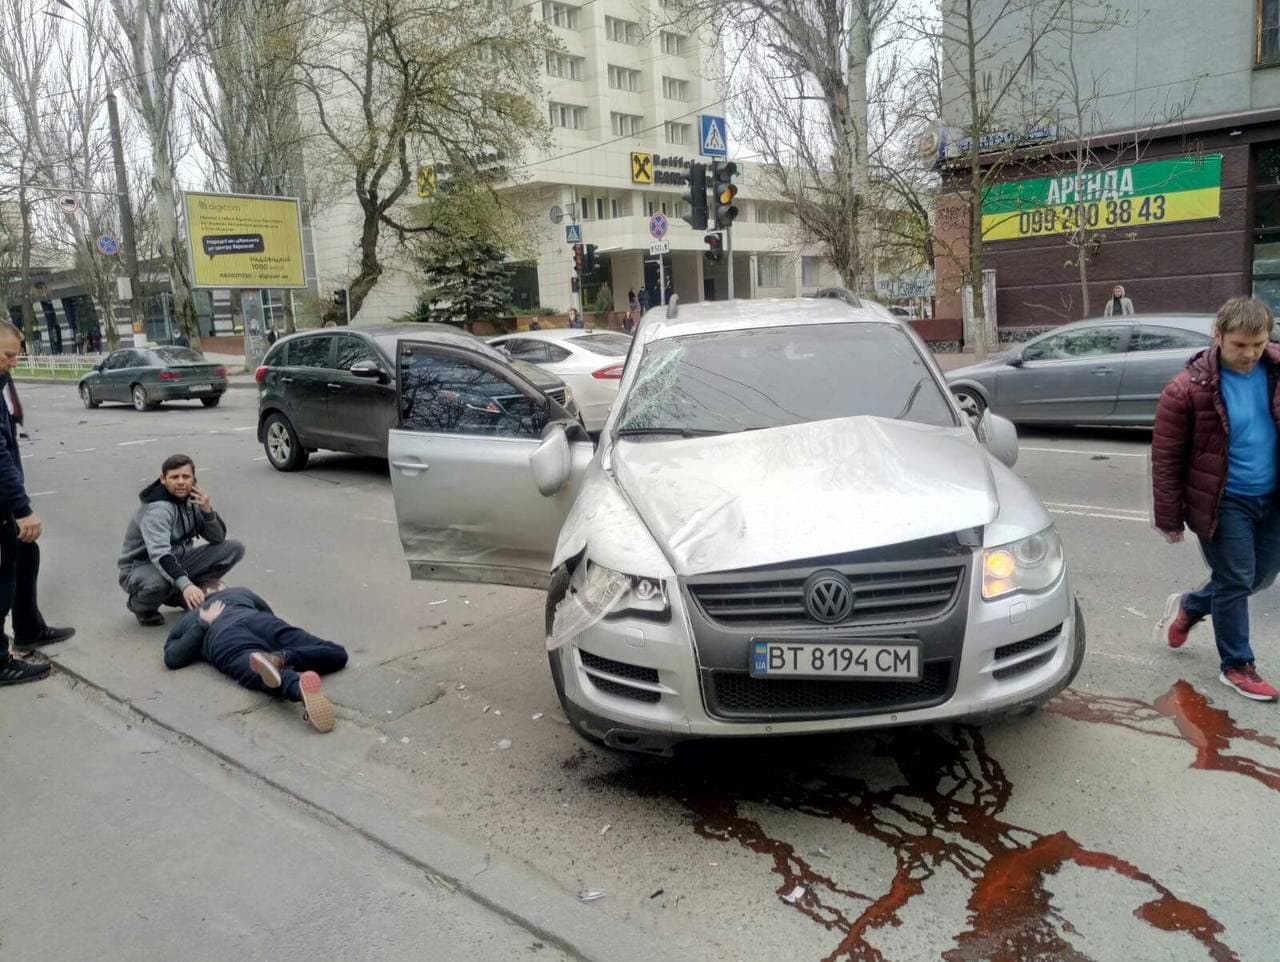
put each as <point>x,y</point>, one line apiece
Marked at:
<point>568,396</point>
<point>1031,564</point>
<point>605,592</point>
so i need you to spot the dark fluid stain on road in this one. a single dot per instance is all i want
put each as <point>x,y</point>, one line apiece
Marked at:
<point>934,798</point>
<point>1209,730</point>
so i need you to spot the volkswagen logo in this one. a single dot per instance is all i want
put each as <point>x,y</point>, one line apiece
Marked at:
<point>828,596</point>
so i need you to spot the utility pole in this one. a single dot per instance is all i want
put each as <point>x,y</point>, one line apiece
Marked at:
<point>128,239</point>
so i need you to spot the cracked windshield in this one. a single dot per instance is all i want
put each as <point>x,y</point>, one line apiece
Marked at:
<point>640,480</point>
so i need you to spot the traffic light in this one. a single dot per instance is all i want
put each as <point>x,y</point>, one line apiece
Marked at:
<point>697,216</point>
<point>590,258</point>
<point>713,242</point>
<point>725,190</point>
<point>579,257</point>
<point>573,284</point>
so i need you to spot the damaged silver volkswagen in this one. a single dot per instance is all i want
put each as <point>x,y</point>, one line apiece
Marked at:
<point>788,526</point>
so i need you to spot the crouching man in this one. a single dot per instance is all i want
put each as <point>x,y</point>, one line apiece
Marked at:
<point>236,632</point>
<point>160,564</point>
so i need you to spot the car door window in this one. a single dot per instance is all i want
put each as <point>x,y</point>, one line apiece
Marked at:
<point>351,351</point>
<point>1080,343</point>
<point>309,352</point>
<point>527,349</point>
<point>442,393</point>
<point>116,361</point>
<point>1168,339</point>
<point>556,353</point>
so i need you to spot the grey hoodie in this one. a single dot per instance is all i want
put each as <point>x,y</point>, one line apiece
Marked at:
<point>161,531</point>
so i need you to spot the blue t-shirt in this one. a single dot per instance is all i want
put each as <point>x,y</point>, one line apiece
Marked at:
<point>1251,465</point>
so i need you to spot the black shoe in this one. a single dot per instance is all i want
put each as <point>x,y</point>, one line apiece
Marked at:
<point>47,636</point>
<point>15,672</point>
<point>147,618</point>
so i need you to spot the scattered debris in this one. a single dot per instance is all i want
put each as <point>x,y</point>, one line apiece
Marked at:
<point>487,707</point>
<point>823,852</point>
<point>432,604</point>
<point>1100,457</point>
<point>383,739</point>
<point>459,687</point>
<point>1135,612</point>
<point>535,716</point>
<point>794,896</point>
<point>604,830</point>
<point>590,895</point>
<point>504,744</point>
<point>404,739</point>
<point>657,893</point>
<point>497,711</point>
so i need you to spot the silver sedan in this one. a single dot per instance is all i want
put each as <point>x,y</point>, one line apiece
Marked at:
<point>1105,371</point>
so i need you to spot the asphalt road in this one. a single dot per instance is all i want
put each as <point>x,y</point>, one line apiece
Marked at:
<point>1133,819</point>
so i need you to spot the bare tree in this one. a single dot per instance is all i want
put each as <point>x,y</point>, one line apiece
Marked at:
<point>396,83</point>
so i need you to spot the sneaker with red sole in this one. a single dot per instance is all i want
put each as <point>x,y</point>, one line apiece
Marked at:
<point>267,667</point>
<point>318,708</point>
<point>1176,623</point>
<point>1249,683</point>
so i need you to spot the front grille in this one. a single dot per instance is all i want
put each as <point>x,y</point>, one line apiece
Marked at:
<point>621,670</point>
<point>887,596</point>
<point>735,694</point>
<point>1018,647</point>
<point>1022,667</point>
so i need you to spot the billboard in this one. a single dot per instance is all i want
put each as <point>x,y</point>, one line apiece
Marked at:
<point>1128,196</point>
<point>244,241</point>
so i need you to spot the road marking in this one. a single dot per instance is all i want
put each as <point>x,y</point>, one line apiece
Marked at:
<point>261,458</point>
<point>251,427</point>
<point>40,494</point>
<point>1096,507</point>
<point>1092,514</point>
<point>125,444</point>
<point>84,450</point>
<point>1105,454</point>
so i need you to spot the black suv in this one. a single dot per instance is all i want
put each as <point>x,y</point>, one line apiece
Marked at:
<point>335,389</point>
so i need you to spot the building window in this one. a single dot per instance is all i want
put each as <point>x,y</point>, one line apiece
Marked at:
<point>620,78</point>
<point>663,205</point>
<point>677,133</point>
<point>626,125</point>
<point>568,116</point>
<point>599,208</point>
<point>586,207</point>
<point>768,271</point>
<point>1266,227</point>
<point>560,14</point>
<point>1268,50</point>
<point>623,31</point>
<point>565,67</point>
<point>770,214</point>
<point>650,207</point>
<point>672,43</point>
<point>615,207</point>
<point>674,89</point>
<point>810,271</point>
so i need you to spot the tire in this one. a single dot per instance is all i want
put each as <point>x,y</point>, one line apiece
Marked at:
<point>971,402</point>
<point>284,451</point>
<point>141,401</point>
<point>211,402</point>
<point>86,397</point>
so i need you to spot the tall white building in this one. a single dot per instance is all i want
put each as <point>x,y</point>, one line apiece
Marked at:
<point>624,100</point>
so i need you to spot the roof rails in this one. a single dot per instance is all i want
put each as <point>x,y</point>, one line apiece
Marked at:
<point>673,306</point>
<point>840,293</point>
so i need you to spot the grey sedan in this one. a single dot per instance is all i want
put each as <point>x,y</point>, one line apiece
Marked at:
<point>1104,371</point>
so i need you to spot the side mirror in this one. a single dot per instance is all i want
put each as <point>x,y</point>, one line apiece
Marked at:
<point>1000,437</point>
<point>99,367</point>
<point>368,369</point>
<point>552,462</point>
<point>1015,360</point>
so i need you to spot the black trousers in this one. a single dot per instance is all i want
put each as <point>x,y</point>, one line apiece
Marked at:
<point>19,572</point>
<point>230,648</point>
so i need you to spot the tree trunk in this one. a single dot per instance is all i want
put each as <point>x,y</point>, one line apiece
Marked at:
<point>172,247</point>
<point>975,194</point>
<point>1082,259</point>
<point>28,308</point>
<point>370,271</point>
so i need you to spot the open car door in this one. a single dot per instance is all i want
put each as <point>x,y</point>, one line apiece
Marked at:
<point>484,468</point>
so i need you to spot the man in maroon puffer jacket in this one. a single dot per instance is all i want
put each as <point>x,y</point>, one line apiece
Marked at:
<point>1214,469</point>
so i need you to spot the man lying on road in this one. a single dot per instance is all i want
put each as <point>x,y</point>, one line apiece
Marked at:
<point>238,634</point>
<point>159,564</point>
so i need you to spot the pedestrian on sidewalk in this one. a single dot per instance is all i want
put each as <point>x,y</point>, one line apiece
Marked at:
<point>20,528</point>
<point>80,341</point>
<point>575,318</point>
<point>237,632</point>
<point>160,564</point>
<point>1213,460</point>
<point>1119,305</point>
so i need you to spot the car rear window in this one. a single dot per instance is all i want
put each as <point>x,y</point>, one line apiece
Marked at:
<point>606,345</point>
<point>178,355</point>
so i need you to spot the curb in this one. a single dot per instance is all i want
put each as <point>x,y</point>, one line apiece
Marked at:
<point>532,902</point>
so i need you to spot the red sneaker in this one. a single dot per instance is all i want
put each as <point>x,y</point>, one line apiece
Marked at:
<point>1176,623</point>
<point>317,708</point>
<point>1249,683</point>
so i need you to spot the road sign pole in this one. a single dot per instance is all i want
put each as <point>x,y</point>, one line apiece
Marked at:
<point>127,237</point>
<point>662,278</point>
<point>728,252</point>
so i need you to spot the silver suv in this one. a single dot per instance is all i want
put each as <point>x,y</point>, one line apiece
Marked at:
<point>788,526</point>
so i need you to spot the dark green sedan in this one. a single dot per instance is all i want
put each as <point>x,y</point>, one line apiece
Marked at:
<point>146,377</point>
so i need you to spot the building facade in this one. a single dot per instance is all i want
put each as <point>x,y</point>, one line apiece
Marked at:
<point>1180,197</point>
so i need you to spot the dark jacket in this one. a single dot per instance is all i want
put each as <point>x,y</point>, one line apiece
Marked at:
<point>13,490</point>
<point>163,528</point>
<point>191,639</point>
<point>1190,447</point>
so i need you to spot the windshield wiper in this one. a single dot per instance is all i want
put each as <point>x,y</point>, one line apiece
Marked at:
<point>911,399</point>
<point>681,432</point>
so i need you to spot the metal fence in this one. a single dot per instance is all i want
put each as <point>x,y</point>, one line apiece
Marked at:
<point>58,362</point>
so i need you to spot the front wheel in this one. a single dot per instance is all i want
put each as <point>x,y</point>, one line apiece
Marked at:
<point>284,451</point>
<point>141,402</point>
<point>971,402</point>
<point>87,398</point>
<point>211,402</point>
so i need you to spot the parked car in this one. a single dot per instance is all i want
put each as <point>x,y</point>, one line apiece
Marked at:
<point>147,377</point>
<point>590,362</point>
<point>787,527</point>
<point>1104,371</point>
<point>334,389</point>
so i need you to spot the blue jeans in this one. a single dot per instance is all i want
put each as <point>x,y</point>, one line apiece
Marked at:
<point>230,649</point>
<point>1243,558</point>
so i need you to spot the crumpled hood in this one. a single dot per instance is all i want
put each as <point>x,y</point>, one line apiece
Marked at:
<point>805,491</point>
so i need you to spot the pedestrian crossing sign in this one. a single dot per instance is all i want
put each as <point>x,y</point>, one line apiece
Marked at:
<point>715,136</point>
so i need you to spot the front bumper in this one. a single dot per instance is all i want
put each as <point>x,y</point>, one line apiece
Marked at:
<point>644,685</point>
